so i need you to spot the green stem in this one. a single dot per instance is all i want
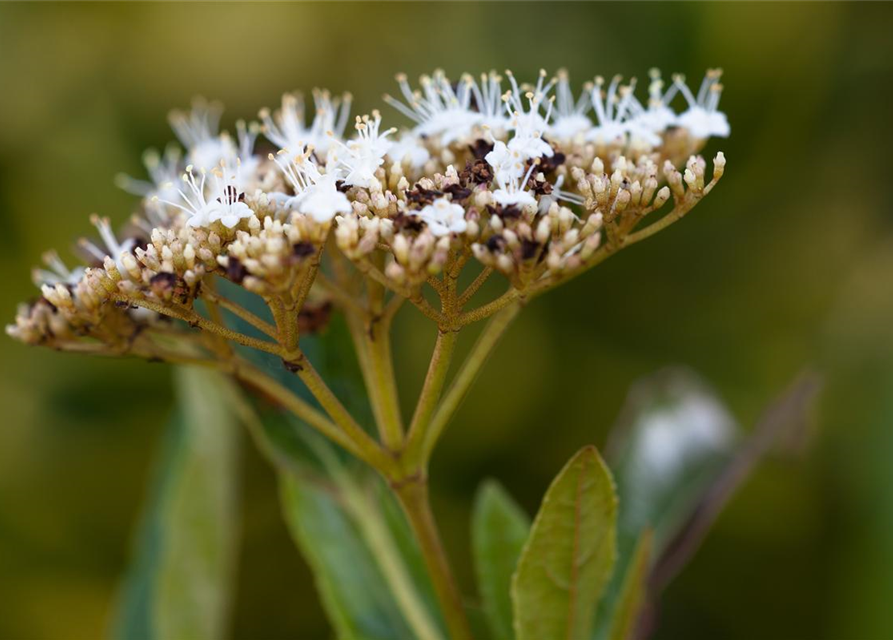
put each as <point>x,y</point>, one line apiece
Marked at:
<point>465,377</point>
<point>413,496</point>
<point>681,208</point>
<point>193,318</point>
<point>485,311</point>
<point>385,384</point>
<point>373,453</point>
<point>378,377</point>
<point>474,286</point>
<point>432,388</point>
<point>241,313</point>
<point>368,451</point>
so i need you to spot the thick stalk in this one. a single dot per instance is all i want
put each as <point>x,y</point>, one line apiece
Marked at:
<point>413,496</point>
<point>378,377</point>
<point>382,363</point>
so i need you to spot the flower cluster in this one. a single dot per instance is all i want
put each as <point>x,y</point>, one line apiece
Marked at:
<point>531,181</point>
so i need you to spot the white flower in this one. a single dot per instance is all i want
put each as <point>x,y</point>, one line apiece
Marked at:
<point>360,158</point>
<point>507,164</point>
<point>324,201</point>
<point>511,178</point>
<point>527,126</point>
<point>226,205</point>
<point>667,438</point>
<point>287,127</point>
<point>110,246</point>
<point>528,123</point>
<point>658,116</point>
<point>224,201</point>
<point>443,217</point>
<point>440,112</point>
<point>409,149</point>
<point>610,109</point>
<point>245,159</point>
<point>198,131</point>
<point>702,119</point>
<point>163,172</point>
<point>205,147</point>
<point>316,193</point>
<point>528,142</point>
<point>192,202</point>
<point>57,273</point>
<point>530,146</point>
<point>570,115</point>
<point>557,194</point>
<point>489,103</point>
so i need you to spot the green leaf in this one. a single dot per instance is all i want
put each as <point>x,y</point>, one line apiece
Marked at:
<point>181,583</point>
<point>347,577</point>
<point>634,591</point>
<point>569,555</point>
<point>365,579</point>
<point>367,566</point>
<point>499,529</point>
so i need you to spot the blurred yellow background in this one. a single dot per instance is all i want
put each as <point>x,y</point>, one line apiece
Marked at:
<point>788,263</point>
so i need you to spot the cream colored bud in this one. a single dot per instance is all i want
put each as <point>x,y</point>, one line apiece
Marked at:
<point>719,165</point>
<point>661,198</point>
<point>480,252</point>
<point>543,230</point>
<point>111,269</point>
<point>400,247</point>
<point>131,266</point>
<point>395,272</point>
<point>592,243</point>
<point>504,264</point>
<point>598,167</point>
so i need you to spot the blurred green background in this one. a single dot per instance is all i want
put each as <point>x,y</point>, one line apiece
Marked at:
<point>788,263</point>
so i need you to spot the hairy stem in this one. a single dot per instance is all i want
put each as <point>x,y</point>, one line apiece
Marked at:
<point>195,319</point>
<point>473,288</point>
<point>489,309</point>
<point>240,312</point>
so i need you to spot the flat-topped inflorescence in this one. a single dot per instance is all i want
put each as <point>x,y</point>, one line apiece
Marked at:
<point>537,182</point>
